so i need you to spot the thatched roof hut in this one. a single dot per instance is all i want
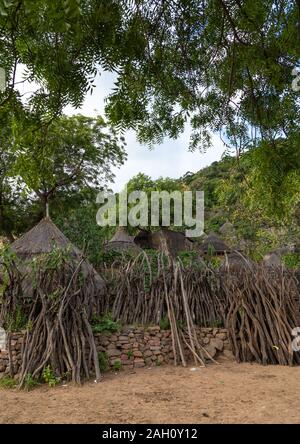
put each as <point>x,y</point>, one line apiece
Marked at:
<point>42,239</point>
<point>58,295</point>
<point>121,241</point>
<point>171,241</point>
<point>164,239</point>
<point>212,244</point>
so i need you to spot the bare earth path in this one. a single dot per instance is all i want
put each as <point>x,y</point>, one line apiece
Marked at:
<point>229,393</point>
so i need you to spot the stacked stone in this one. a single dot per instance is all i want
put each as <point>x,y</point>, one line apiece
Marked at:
<point>147,346</point>
<point>215,340</point>
<point>134,347</point>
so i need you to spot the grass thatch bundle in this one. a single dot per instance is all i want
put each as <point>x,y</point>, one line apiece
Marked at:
<point>122,241</point>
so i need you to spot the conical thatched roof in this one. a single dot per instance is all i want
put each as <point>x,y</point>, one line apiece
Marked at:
<point>174,241</point>
<point>164,239</point>
<point>41,239</point>
<point>45,236</point>
<point>212,243</point>
<point>121,240</point>
<point>59,298</point>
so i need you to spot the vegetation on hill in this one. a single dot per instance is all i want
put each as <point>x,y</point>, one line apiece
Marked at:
<point>242,192</point>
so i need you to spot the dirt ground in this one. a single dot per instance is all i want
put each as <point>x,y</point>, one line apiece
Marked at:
<point>226,393</point>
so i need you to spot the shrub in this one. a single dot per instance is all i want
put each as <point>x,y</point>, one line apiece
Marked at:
<point>49,377</point>
<point>7,382</point>
<point>164,323</point>
<point>213,261</point>
<point>291,260</point>
<point>129,354</point>
<point>117,366</point>
<point>80,227</point>
<point>103,361</point>
<point>17,321</point>
<point>105,323</point>
<point>30,382</point>
<point>188,258</point>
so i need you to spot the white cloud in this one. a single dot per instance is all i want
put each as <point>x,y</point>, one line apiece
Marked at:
<point>171,158</point>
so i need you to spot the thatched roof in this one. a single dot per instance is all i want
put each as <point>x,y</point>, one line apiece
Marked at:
<point>45,236</point>
<point>164,239</point>
<point>41,239</point>
<point>121,240</point>
<point>121,235</point>
<point>212,243</point>
<point>172,241</point>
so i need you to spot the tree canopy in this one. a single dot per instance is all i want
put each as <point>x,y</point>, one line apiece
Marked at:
<point>72,153</point>
<point>66,162</point>
<point>59,44</point>
<point>224,64</point>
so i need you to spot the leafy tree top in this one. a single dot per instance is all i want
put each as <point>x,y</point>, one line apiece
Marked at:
<point>70,154</point>
<point>224,64</point>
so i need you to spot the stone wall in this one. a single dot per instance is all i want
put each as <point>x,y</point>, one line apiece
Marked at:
<point>134,347</point>
<point>16,346</point>
<point>140,346</point>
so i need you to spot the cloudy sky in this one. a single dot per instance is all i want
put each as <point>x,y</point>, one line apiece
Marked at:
<point>171,158</point>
